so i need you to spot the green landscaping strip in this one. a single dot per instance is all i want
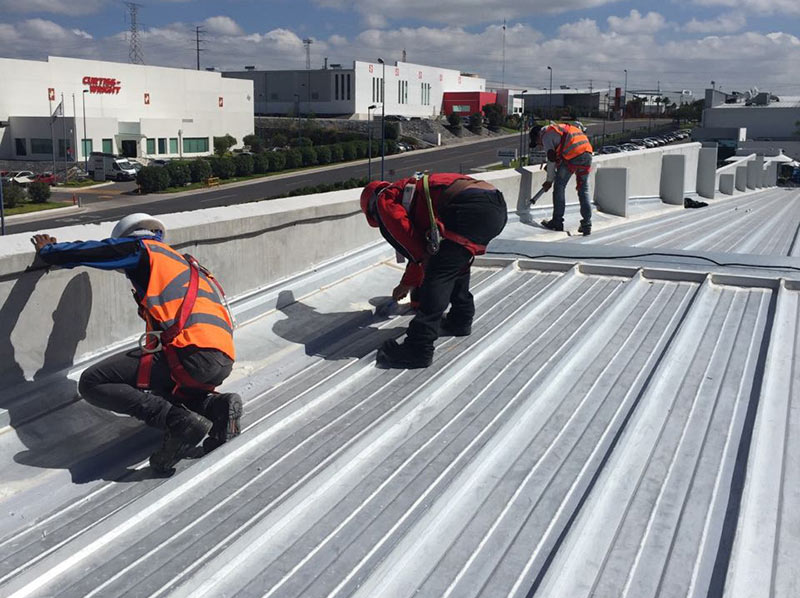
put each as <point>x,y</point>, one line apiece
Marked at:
<point>36,207</point>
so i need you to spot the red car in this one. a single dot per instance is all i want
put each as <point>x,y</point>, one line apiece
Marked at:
<point>45,177</point>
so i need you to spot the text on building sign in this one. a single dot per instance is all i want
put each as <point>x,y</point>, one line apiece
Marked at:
<point>103,85</point>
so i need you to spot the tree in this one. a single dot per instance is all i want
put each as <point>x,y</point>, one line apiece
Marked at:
<point>223,144</point>
<point>494,114</point>
<point>39,192</point>
<point>200,170</point>
<point>12,194</point>
<point>179,173</point>
<point>152,179</point>
<point>244,164</point>
<point>254,142</point>
<point>475,122</point>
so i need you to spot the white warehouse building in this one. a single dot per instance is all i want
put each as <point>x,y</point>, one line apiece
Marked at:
<point>412,90</point>
<point>130,109</point>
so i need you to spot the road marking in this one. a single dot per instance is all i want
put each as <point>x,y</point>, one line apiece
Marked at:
<point>216,198</point>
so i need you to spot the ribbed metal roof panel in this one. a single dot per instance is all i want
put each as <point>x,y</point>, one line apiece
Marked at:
<point>585,440</point>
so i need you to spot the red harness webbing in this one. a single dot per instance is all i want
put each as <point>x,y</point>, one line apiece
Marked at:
<point>156,342</point>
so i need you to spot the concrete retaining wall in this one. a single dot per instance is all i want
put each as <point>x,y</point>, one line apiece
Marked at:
<point>673,175</point>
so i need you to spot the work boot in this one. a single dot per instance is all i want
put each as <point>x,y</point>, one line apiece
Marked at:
<point>225,411</point>
<point>449,328</point>
<point>184,430</point>
<point>585,229</point>
<point>405,356</point>
<point>553,225</point>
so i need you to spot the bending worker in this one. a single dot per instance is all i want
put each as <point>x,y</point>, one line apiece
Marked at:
<point>186,351</point>
<point>568,152</point>
<point>439,222</point>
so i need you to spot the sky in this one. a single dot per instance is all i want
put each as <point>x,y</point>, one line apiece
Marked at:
<point>669,45</point>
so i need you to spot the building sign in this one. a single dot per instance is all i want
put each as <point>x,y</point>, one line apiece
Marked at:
<point>147,99</point>
<point>220,101</point>
<point>370,68</point>
<point>51,94</point>
<point>396,72</point>
<point>103,85</point>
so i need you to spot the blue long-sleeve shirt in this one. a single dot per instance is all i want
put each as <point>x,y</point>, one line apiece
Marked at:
<point>125,253</point>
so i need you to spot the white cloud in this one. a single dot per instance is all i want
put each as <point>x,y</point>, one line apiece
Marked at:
<point>726,23</point>
<point>635,23</point>
<point>757,6</point>
<point>222,25</point>
<point>378,13</point>
<point>581,51</point>
<point>65,7</point>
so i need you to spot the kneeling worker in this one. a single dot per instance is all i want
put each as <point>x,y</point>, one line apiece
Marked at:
<point>439,222</point>
<point>186,351</point>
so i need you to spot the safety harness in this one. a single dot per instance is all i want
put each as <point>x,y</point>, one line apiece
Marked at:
<point>154,340</point>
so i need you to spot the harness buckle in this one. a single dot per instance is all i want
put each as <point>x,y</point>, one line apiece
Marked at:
<point>143,341</point>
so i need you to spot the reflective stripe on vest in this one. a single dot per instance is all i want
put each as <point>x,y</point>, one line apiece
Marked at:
<point>573,142</point>
<point>209,325</point>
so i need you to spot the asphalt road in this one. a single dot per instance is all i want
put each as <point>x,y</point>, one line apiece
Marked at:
<point>112,202</point>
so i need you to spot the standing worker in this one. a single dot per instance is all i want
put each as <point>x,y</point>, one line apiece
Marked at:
<point>439,222</point>
<point>186,351</point>
<point>568,152</point>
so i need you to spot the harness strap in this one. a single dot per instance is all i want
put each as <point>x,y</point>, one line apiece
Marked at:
<point>433,237</point>
<point>179,374</point>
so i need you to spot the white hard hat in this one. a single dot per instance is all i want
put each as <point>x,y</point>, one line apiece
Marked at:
<point>138,224</point>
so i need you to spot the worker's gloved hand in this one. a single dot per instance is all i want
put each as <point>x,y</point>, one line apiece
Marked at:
<point>400,291</point>
<point>40,241</point>
<point>546,185</point>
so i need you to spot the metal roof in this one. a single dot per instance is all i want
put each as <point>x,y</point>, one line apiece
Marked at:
<point>612,427</point>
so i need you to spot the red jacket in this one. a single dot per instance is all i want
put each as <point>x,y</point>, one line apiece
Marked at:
<point>408,226</point>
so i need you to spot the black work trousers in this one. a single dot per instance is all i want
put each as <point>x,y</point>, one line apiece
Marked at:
<point>479,215</point>
<point>111,384</point>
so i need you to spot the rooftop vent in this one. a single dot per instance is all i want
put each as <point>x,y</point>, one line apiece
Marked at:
<point>249,68</point>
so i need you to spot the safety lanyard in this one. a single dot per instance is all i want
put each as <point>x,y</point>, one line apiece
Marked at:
<point>433,237</point>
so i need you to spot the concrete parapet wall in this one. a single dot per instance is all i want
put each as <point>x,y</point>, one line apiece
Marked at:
<point>673,175</point>
<point>726,183</point>
<point>52,318</point>
<point>611,190</point>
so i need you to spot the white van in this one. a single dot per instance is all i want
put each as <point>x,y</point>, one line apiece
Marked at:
<point>108,166</point>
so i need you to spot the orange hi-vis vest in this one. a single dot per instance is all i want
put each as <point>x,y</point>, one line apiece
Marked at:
<point>573,142</point>
<point>208,326</point>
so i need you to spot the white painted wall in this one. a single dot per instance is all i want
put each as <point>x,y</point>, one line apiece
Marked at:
<point>440,80</point>
<point>760,121</point>
<point>179,99</point>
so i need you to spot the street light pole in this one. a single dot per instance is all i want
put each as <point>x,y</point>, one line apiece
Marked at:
<point>550,95</point>
<point>85,155</point>
<point>625,101</point>
<point>522,128</point>
<point>383,113</point>
<point>369,141</point>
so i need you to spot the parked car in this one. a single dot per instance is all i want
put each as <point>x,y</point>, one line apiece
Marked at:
<point>45,177</point>
<point>609,149</point>
<point>157,162</point>
<point>20,177</point>
<point>628,147</point>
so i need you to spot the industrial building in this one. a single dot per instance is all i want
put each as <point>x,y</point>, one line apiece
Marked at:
<point>129,109</point>
<point>752,121</point>
<point>411,90</point>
